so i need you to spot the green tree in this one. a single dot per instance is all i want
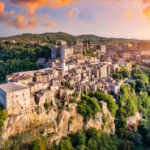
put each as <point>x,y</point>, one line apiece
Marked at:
<point>108,99</point>
<point>88,107</point>
<point>80,147</point>
<point>46,105</point>
<point>91,133</point>
<point>37,145</point>
<point>65,144</point>
<point>130,108</point>
<point>125,72</point>
<point>78,138</point>
<point>92,144</point>
<point>140,86</point>
<point>137,138</point>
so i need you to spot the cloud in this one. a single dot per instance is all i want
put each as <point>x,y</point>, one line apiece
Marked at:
<point>60,3</point>
<point>30,21</point>
<point>50,24</point>
<point>11,12</point>
<point>70,13</point>
<point>43,16</point>
<point>2,6</point>
<point>19,22</point>
<point>146,12</point>
<point>4,17</point>
<point>127,15</point>
<point>22,23</point>
<point>32,5</point>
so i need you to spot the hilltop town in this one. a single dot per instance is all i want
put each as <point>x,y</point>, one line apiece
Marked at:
<point>52,92</point>
<point>68,67</point>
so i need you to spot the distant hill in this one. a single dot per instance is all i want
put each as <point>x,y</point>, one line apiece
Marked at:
<point>47,37</point>
<point>89,37</point>
<point>95,38</point>
<point>42,37</point>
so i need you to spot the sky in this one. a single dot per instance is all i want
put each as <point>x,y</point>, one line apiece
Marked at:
<point>107,18</point>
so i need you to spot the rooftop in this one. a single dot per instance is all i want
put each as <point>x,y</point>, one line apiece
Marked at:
<point>12,87</point>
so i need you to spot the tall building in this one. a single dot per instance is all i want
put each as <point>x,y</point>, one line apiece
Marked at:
<point>101,50</point>
<point>63,52</point>
<point>104,71</point>
<point>63,65</point>
<point>56,52</point>
<point>66,52</point>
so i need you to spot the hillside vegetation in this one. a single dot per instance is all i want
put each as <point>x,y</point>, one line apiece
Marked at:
<point>94,38</point>
<point>45,37</point>
<point>51,37</point>
<point>20,57</point>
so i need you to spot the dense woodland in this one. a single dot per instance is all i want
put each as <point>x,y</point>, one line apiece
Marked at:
<point>95,39</point>
<point>20,57</point>
<point>45,37</point>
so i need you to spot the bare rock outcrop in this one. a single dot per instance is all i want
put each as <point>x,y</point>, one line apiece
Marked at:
<point>58,123</point>
<point>103,121</point>
<point>133,120</point>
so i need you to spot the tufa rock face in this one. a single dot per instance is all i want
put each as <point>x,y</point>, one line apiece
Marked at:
<point>103,121</point>
<point>133,120</point>
<point>18,124</point>
<point>59,123</point>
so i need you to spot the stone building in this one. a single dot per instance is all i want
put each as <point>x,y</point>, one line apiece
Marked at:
<point>104,71</point>
<point>44,96</point>
<point>66,52</point>
<point>15,97</point>
<point>63,52</point>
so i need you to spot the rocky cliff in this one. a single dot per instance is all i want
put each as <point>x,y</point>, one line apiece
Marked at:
<point>59,123</point>
<point>133,120</point>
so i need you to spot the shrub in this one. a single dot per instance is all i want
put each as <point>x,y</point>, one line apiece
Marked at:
<point>139,74</point>
<point>92,144</point>
<point>88,107</point>
<point>78,138</point>
<point>3,117</point>
<point>71,119</point>
<point>72,101</point>
<point>108,99</point>
<point>121,74</point>
<point>66,84</point>
<point>105,119</point>
<point>65,144</point>
<point>91,133</point>
<point>130,108</point>
<point>46,105</point>
<point>80,147</point>
<point>37,145</point>
<point>137,138</point>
